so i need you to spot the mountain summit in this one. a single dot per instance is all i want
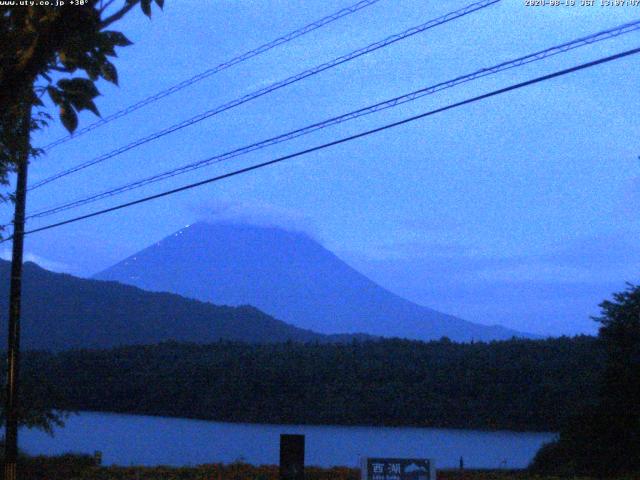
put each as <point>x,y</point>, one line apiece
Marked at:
<point>287,275</point>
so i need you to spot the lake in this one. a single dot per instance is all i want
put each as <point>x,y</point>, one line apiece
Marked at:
<point>145,440</point>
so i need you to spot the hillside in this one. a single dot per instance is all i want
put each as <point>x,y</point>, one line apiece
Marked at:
<point>290,276</point>
<point>60,311</point>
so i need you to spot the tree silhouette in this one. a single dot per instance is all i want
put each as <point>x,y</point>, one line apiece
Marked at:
<point>605,440</point>
<point>72,43</point>
<point>38,43</point>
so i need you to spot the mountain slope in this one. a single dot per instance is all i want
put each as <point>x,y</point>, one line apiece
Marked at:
<point>60,311</point>
<point>287,275</point>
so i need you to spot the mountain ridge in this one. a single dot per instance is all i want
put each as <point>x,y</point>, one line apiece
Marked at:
<point>60,312</point>
<point>290,276</point>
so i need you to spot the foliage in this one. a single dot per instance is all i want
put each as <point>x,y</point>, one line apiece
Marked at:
<point>517,384</point>
<point>83,467</point>
<point>37,395</point>
<point>56,468</point>
<point>38,43</point>
<point>605,439</point>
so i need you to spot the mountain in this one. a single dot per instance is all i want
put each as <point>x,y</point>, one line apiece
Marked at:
<point>60,312</point>
<point>290,276</point>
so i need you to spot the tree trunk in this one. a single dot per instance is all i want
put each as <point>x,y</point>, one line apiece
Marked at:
<point>13,353</point>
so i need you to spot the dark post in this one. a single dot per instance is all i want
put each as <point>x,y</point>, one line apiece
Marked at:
<point>13,352</point>
<point>291,457</point>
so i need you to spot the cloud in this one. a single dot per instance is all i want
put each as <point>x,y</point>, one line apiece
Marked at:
<point>416,249</point>
<point>255,213</point>
<point>605,258</point>
<point>552,291</point>
<point>47,264</point>
<point>538,272</point>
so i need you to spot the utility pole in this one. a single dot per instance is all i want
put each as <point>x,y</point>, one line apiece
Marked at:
<point>13,352</point>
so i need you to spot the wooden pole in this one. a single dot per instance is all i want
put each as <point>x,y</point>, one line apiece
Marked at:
<point>15,296</point>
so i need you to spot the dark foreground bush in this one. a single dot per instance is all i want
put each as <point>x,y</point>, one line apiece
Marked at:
<point>78,467</point>
<point>603,444</point>
<point>63,467</point>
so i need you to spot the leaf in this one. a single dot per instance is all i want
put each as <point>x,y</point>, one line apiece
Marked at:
<point>146,7</point>
<point>106,44</point>
<point>86,104</point>
<point>109,72</point>
<point>77,93</point>
<point>70,56</point>
<point>80,102</point>
<point>160,3</point>
<point>55,94</point>
<point>116,38</point>
<point>92,108</point>
<point>69,118</point>
<point>93,70</point>
<point>107,49</point>
<point>79,86</point>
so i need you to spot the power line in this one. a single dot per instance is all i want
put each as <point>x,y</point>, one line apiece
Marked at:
<point>218,68</point>
<point>524,60</point>
<point>340,141</point>
<point>273,87</point>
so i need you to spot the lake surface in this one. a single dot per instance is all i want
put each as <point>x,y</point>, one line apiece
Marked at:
<point>144,440</point>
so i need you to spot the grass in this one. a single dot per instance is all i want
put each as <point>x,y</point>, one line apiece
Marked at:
<point>84,467</point>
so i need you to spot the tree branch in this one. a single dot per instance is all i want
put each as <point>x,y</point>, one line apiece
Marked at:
<point>105,5</point>
<point>55,68</point>
<point>118,15</point>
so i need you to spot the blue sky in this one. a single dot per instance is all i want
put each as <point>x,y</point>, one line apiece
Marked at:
<point>520,210</point>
